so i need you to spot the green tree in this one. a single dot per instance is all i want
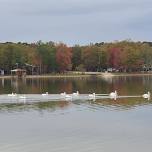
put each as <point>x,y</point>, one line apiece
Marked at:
<point>76,56</point>
<point>91,58</point>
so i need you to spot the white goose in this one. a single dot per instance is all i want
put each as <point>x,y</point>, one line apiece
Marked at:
<point>93,95</point>
<point>146,95</point>
<point>22,97</point>
<point>63,94</point>
<point>45,94</point>
<point>113,95</point>
<point>76,94</point>
<point>12,95</point>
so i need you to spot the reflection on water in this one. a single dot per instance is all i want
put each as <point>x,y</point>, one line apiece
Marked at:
<point>52,106</point>
<point>125,85</point>
<point>41,106</point>
<point>55,85</point>
<point>77,126</point>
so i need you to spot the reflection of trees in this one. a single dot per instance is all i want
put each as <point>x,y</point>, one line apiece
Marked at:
<point>48,85</point>
<point>125,103</point>
<point>126,85</point>
<point>89,85</point>
<point>53,106</point>
<point>66,86</point>
<point>18,84</point>
<point>49,106</point>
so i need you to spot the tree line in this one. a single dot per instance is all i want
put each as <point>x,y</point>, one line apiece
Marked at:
<point>49,57</point>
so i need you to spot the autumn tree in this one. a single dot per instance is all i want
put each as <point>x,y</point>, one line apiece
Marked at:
<point>114,57</point>
<point>63,57</point>
<point>132,60</point>
<point>52,57</point>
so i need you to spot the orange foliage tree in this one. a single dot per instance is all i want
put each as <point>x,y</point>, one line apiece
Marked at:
<point>63,57</point>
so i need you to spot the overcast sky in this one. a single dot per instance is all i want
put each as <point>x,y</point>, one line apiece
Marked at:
<point>75,21</point>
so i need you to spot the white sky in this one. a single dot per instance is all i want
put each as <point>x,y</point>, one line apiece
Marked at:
<point>75,21</point>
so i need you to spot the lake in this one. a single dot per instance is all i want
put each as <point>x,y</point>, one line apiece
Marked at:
<point>106,125</point>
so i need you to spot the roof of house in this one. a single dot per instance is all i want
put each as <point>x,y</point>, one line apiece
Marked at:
<point>16,70</point>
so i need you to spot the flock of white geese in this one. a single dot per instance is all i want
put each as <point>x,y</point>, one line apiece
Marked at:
<point>112,95</point>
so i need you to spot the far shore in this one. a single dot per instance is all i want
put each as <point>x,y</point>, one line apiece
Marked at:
<point>79,75</point>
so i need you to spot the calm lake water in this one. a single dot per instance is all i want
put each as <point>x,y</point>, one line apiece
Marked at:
<point>124,125</point>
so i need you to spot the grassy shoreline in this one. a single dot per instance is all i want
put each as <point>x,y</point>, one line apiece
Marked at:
<point>77,75</point>
<point>126,74</point>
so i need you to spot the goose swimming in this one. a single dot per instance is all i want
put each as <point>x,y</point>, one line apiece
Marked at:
<point>45,94</point>
<point>146,95</point>
<point>113,95</point>
<point>76,94</point>
<point>12,95</point>
<point>93,95</point>
<point>63,94</point>
<point>22,97</point>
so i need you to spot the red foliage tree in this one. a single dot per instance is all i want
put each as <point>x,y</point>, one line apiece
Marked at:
<point>63,57</point>
<point>114,59</point>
